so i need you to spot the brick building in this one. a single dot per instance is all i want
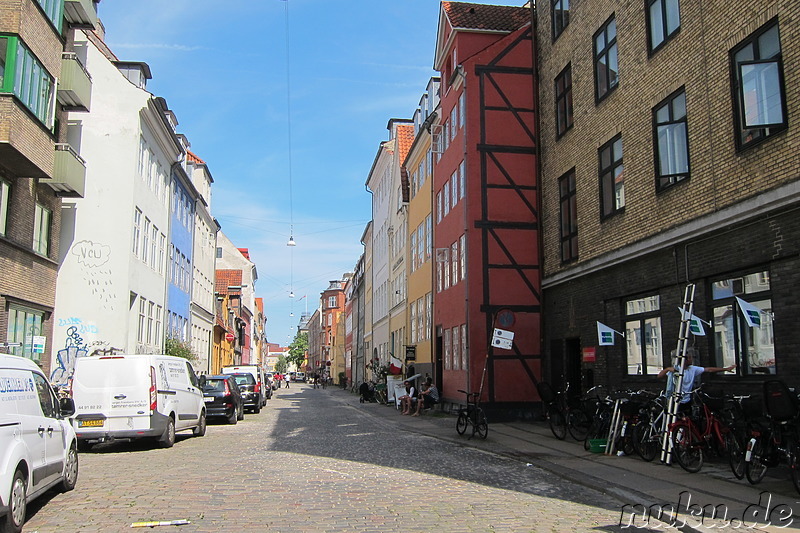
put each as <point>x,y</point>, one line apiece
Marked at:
<point>40,80</point>
<point>668,157</point>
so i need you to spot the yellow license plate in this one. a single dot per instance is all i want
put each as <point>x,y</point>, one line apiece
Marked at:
<point>90,423</point>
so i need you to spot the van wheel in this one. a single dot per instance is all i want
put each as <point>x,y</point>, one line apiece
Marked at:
<point>70,470</point>
<point>168,440</point>
<point>200,430</point>
<point>13,520</point>
<point>84,446</point>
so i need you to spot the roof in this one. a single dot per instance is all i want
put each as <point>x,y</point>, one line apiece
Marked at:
<point>469,16</point>
<point>227,278</point>
<point>193,158</point>
<point>245,252</point>
<point>405,138</point>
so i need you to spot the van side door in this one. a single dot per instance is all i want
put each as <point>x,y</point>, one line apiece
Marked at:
<point>195,396</point>
<point>51,428</point>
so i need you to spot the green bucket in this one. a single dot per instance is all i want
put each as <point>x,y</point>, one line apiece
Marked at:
<point>597,445</point>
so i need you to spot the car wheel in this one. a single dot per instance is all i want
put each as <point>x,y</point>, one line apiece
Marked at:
<point>234,416</point>
<point>168,440</point>
<point>13,520</point>
<point>240,413</point>
<point>70,470</point>
<point>257,409</point>
<point>200,430</point>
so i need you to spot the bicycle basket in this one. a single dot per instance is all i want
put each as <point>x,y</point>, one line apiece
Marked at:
<point>546,392</point>
<point>779,401</point>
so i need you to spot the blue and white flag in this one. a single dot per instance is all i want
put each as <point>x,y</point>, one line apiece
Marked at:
<point>695,323</point>
<point>605,335</point>
<point>752,314</point>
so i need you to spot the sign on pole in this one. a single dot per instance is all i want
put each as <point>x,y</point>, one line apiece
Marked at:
<point>503,339</point>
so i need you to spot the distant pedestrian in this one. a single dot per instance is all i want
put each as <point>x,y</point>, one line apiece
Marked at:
<point>286,379</point>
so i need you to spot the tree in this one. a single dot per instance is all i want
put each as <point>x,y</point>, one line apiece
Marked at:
<point>298,349</point>
<point>179,348</point>
<point>281,365</point>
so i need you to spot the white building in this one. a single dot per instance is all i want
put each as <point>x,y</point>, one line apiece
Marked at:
<point>229,257</point>
<point>111,289</point>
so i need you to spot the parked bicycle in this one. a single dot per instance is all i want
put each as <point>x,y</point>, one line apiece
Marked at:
<point>779,441</point>
<point>472,415</point>
<point>555,408</point>
<point>647,432</point>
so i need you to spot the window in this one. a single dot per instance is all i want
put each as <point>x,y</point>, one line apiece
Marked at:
<point>671,143</point>
<point>454,180</point>
<point>162,249</point>
<point>559,13</point>
<point>331,301</point>
<point>146,241</point>
<point>462,171</point>
<point>462,109</point>
<point>564,101</point>
<point>569,217</point>
<point>137,230</point>
<point>413,322</point>
<point>151,306</point>
<point>24,75</point>
<point>464,357</point>
<point>760,98</point>
<point>219,253</point>
<point>5,190</point>
<point>453,122</point>
<point>663,22</point>
<point>448,356</point>
<point>455,260</point>
<point>749,344</point>
<point>456,351</point>
<point>612,180</point>
<point>428,314</point>
<point>606,70</point>
<point>446,198</point>
<point>643,335</point>
<point>413,251</point>
<point>462,245</point>
<point>438,207</point>
<point>421,245</point>
<point>24,324</point>
<point>428,237</point>
<point>54,9</point>
<point>41,229</point>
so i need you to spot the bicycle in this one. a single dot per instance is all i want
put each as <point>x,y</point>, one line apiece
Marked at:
<point>472,415</point>
<point>647,432</point>
<point>556,408</point>
<point>693,439</point>
<point>780,441</point>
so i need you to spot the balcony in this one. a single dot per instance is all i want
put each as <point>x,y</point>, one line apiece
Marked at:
<point>69,173</point>
<point>75,85</point>
<point>81,13</point>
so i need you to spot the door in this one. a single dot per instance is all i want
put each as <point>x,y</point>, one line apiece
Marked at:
<point>50,430</point>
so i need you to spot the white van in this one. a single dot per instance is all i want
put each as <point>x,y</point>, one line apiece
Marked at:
<point>38,448</point>
<point>136,396</point>
<point>256,398</point>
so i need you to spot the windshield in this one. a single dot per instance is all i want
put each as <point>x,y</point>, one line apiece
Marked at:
<point>244,379</point>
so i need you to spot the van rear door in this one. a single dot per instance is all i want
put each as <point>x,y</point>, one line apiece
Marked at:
<point>112,393</point>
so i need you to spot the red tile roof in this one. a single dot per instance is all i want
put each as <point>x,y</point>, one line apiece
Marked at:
<point>245,252</point>
<point>463,15</point>
<point>193,158</point>
<point>405,138</point>
<point>227,278</point>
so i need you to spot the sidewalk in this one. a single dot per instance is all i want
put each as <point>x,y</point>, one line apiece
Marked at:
<point>642,488</point>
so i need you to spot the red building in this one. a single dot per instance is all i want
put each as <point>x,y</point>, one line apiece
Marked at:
<point>486,204</point>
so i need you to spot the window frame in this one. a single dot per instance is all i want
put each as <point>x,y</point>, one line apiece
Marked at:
<point>24,75</point>
<point>667,181</point>
<point>642,317</point>
<point>557,30</point>
<point>30,317</point>
<point>565,97</point>
<point>598,54</point>
<point>42,229</point>
<point>604,171</point>
<point>764,133</point>
<point>5,194</point>
<point>666,34</point>
<point>568,207</point>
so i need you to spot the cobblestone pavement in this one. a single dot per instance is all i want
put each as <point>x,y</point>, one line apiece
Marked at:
<point>311,461</point>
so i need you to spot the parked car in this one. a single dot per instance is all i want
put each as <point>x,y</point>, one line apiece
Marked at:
<point>222,397</point>
<point>300,376</point>
<point>258,376</point>
<point>247,386</point>
<point>38,447</point>
<point>136,396</point>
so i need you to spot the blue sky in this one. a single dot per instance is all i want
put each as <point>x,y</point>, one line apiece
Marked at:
<point>222,67</point>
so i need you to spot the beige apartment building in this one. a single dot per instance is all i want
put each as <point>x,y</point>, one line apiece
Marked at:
<point>668,141</point>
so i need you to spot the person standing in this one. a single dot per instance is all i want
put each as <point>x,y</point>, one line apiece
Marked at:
<point>286,379</point>
<point>690,374</point>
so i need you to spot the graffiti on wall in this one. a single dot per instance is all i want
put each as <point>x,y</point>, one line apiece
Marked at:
<point>75,346</point>
<point>93,258</point>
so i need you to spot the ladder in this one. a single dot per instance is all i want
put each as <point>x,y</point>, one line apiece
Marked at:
<point>674,399</point>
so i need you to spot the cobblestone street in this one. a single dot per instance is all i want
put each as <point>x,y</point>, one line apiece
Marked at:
<point>312,462</point>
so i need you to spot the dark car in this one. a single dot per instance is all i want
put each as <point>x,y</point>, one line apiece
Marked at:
<point>223,397</point>
<point>250,395</point>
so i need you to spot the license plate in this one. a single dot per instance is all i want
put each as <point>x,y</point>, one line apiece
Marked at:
<point>90,423</point>
<point>208,400</point>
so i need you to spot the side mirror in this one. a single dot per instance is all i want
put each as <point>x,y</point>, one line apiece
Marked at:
<point>67,407</point>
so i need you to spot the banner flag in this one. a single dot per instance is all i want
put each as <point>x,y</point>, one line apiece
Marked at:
<point>752,314</point>
<point>695,324</point>
<point>605,334</point>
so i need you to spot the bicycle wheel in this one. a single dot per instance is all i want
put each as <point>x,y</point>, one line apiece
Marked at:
<point>646,439</point>
<point>686,448</point>
<point>558,422</point>
<point>794,466</point>
<point>481,426</point>
<point>462,422</point>
<point>735,451</point>
<point>597,430</point>
<point>578,424</point>
<point>756,468</point>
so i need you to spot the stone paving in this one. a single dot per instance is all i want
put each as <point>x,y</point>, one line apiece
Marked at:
<point>315,460</point>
